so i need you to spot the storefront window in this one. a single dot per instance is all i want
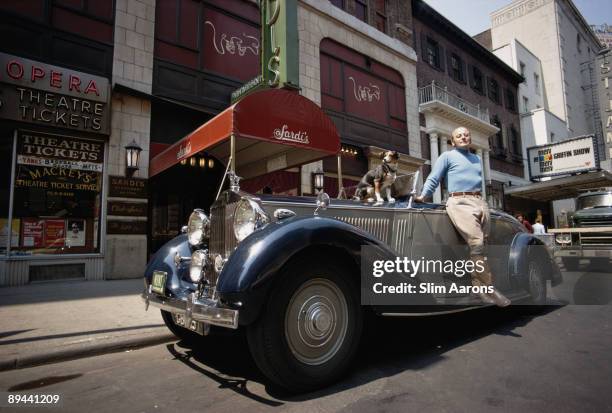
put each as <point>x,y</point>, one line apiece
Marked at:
<point>57,194</point>
<point>6,155</point>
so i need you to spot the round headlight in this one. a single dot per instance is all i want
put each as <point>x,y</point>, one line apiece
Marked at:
<point>199,260</point>
<point>248,217</point>
<point>197,227</point>
<point>244,220</point>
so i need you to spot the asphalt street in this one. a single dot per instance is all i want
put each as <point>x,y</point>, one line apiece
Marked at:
<point>554,358</point>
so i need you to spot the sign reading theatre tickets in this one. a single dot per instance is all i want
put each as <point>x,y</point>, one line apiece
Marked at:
<point>279,48</point>
<point>62,166</point>
<point>567,157</point>
<point>43,94</point>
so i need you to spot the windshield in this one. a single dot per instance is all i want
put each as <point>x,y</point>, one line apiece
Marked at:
<point>593,201</point>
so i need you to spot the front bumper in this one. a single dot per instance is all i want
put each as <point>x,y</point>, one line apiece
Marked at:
<point>578,252</point>
<point>202,310</point>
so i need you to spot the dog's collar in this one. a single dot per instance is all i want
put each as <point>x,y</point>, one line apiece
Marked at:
<point>388,167</point>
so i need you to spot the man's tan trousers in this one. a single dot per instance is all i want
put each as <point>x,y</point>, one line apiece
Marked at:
<point>470,215</point>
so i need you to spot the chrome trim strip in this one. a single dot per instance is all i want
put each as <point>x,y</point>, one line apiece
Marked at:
<point>203,310</point>
<point>458,310</point>
<point>357,206</point>
<point>514,297</point>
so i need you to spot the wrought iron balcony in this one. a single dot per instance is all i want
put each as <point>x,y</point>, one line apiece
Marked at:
<point>434,93</point>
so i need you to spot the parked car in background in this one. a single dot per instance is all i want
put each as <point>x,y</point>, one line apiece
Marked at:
<point>590,234</point>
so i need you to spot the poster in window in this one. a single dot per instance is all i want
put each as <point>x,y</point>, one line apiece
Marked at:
<point>33,233</point>
<point>75,233</point>
<point>4,233</point>
<point>54,233</point>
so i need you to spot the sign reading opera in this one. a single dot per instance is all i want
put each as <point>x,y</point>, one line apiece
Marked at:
<point>44,94</point>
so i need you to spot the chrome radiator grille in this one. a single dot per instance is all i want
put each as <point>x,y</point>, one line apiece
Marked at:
<point>222,239</point>
<point>599,239</point>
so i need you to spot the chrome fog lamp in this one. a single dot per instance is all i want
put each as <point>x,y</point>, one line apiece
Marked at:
<point>199,261</point>
<point>249,217</point>
<point>198,227</point>
<point>219,263</point>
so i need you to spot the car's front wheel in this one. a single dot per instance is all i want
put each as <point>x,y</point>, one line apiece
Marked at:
<point>310,329</point>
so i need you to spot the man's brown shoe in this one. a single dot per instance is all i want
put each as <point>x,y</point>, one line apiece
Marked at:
<point>486,298</point>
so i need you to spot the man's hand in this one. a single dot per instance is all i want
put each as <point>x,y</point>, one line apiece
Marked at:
<point>419,198</point>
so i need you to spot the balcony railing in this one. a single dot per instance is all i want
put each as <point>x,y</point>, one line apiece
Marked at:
<point>433,92</point>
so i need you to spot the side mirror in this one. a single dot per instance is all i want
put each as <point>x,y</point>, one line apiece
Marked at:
<point>323,201</point>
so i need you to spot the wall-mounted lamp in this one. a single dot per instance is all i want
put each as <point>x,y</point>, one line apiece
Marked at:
<point>202,162</point>
<point>132,152</point>
<point>192,161</point>
<point>319,178</point>
<point>211,163</point>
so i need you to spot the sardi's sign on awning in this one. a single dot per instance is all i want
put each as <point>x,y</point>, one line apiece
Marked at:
<point>563,158</point>
<point>39,93</point>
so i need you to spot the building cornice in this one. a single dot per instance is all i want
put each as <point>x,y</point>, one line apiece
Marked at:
<point>327,9</point>
<point>518,9</point>
<point>422,11</point>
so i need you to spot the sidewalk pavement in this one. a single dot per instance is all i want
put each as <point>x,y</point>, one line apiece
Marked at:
<point>49,322</point>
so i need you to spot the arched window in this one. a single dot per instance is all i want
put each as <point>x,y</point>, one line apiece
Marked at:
<point>361,90</point>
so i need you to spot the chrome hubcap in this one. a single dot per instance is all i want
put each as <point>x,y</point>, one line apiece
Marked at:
<point>316,321</point>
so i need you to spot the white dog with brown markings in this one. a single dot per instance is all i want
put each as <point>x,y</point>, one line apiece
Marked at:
<point>379,180</point>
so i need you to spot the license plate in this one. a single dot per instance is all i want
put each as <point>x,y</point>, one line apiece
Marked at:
<point>195,326</point>
<point>158,282</point>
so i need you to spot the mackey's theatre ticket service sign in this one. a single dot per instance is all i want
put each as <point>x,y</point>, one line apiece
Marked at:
<point>59,165</point>
<point>566,157</point>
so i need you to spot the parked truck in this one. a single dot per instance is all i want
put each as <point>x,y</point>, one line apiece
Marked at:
<point>590,233</point>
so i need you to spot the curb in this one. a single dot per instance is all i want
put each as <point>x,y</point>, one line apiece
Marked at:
<point>31,360</point>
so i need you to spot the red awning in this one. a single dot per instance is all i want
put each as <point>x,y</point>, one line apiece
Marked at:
<point>275,129</point>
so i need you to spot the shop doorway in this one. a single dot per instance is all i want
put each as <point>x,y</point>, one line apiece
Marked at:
<point>177,191</point>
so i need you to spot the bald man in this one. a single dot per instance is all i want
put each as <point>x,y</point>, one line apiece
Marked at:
<point>465,207</point>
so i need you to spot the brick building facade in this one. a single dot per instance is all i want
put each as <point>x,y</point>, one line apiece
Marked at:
<point>163,68</point>
<point>463,84</point>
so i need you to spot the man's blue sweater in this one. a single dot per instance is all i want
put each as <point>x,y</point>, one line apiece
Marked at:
<point>461,170</point>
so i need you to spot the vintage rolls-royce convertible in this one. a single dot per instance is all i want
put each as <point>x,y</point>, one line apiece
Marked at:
<point>288,271</point>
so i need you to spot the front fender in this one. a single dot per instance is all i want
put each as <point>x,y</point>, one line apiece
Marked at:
<point>163,260</point>
<point>258,259</point>
<point>261,255</point>
<point>526,247</point>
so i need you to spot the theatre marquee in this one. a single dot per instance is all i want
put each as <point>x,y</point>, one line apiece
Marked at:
<point>563,158</point>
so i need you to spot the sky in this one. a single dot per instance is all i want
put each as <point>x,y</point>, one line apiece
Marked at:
<point>472,16</point>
